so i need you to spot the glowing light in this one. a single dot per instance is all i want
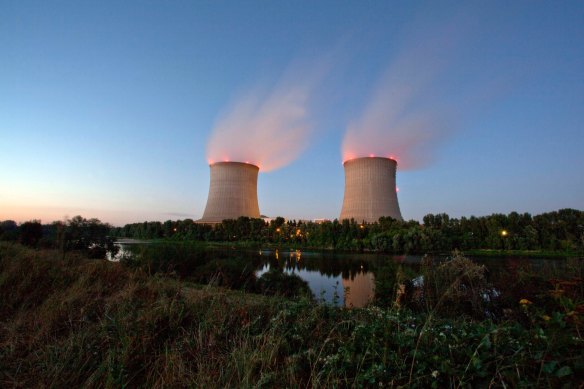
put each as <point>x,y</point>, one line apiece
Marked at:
<point>371,155</point>
<point>348,157</point>
<point>504,233</point>
<point>396,189</point>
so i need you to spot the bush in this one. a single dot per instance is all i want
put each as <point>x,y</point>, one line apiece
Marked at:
<point>457,286</point>
<point>279,283</point>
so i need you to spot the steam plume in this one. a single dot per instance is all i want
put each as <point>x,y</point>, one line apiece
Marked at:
<point>404,119</point>
<point>268,128</point>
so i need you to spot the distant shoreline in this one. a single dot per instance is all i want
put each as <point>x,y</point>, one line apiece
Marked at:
<point>272,246</point>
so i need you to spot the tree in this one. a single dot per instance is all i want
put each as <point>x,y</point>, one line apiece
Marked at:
<point>31,233</point>
<point>8,230</point>
<point>90,236</point>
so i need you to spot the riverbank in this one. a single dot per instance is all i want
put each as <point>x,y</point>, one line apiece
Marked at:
<point>77,322</point>
<point>272,246</point>
<point>525,253</point>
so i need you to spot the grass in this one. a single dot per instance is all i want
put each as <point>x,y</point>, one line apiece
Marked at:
<point>523,253</point>
<point>293,246</point>
<point>78,322</point>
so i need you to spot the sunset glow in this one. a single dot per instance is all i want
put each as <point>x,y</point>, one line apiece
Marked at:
<point>116,110</point>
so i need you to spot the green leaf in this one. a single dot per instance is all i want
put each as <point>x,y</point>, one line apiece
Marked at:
<point>564,371</point>
<point>550,367</point>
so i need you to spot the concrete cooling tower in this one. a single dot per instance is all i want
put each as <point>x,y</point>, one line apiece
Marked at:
<point>370,190</point>
<point>232,192</point>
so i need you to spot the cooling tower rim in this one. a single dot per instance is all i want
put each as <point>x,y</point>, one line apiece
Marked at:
<point>362,158</point>
<point>232,163</point>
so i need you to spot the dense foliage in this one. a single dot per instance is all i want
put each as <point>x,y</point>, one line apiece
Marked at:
<point>78,233</point>
<point>554,231</point>
<point>78,323</point>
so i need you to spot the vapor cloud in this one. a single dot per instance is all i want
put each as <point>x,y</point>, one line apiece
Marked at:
<point>268,127</point>
<point>404,118</point>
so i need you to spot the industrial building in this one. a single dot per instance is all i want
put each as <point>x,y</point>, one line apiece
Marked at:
<point>370,190</point>
<point>232,192</point>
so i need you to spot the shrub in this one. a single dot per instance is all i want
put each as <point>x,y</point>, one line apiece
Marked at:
<point>457,286</point>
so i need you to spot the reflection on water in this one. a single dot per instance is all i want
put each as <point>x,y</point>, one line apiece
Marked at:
<point>324,287</point>
<point>345,283</point>
<point>355,290</point>
<point>359,290</point>
<point>122,251</point>
<point>337,278</point>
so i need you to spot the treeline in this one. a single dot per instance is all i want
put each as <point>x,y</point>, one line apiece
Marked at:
<point>88,235</point>
<point>562,230</point>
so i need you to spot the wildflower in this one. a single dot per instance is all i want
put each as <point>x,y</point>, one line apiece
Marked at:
<point>525,302</point>
<point>435,373</point>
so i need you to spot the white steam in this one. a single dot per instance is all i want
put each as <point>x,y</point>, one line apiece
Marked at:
<point>405,117</point>
<point>269,128</point>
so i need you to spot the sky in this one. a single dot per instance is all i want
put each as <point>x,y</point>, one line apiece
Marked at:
<point>110,109</point>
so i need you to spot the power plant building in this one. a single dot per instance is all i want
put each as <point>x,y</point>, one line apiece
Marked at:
<point>232,192</point>
<point>370,190</point>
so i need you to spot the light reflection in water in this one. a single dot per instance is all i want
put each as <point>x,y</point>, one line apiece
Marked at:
<point>350,289</point>
<point>359,290</point>
<point>345,279</point>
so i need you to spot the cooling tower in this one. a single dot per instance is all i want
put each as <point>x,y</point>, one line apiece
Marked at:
<point>232,192</point>
<point>370,190</point>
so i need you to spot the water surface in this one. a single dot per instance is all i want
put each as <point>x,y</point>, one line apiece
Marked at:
<point>349,278</point>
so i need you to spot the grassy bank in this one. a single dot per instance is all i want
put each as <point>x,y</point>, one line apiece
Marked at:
<point>288,246</point>
<point>78,322</point>
<point>525,253</point>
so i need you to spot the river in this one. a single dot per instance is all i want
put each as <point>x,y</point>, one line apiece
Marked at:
<point>349,279</point>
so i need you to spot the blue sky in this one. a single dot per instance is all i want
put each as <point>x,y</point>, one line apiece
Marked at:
<point>106,107</point>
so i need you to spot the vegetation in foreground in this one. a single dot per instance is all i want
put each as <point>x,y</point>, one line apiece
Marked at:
<point>70,321</point>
